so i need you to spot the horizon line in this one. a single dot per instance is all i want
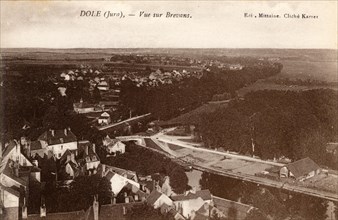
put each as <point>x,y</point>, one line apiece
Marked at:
<point>77,48</point>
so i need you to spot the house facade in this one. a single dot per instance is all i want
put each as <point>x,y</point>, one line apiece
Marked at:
<point>104,119</point>
<point>57,142</point>
<point>113,146</point>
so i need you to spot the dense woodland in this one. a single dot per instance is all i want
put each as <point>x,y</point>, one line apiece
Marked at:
<point>277,123</point>
<point>271,202</point>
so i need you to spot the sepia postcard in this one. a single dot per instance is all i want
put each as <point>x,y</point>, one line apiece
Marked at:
<point>180,110</point>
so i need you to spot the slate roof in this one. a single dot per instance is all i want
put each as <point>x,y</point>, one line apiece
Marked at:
<point>128,173</point>
<point>10,190</point>
<point>204,194</point>
<point>302,167</point>
<point>58,138</point>
<point>153,197</point>
<point>36,145</point>
<point>8,171</point>
<point>135,190</point>
<point>9,148</point>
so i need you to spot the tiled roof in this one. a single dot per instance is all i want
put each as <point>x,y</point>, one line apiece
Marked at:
<point>59,137</point>
<point>302,167</point>
<point>204,194</point>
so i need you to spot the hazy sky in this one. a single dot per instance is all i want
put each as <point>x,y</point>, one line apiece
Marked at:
<point>217,24</point>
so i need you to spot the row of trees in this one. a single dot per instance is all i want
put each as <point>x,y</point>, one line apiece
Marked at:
<point>271,124</point>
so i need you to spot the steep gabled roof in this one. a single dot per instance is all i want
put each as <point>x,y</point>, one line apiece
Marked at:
<point>10,190</point>
<point>36,145</point>
<point>153,197</point>
<point>11,145</point>
<point>302,167</point>
<point>59,137</point>
<point>203,194</point>
<point>8,171</point>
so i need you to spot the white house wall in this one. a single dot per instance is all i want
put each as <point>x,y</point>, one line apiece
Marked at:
<point>59,149</point>
<point>10,200</point>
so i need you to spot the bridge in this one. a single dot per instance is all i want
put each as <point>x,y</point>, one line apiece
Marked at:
<point>129,120</point>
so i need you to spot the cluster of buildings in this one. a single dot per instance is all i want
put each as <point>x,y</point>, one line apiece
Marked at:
<point>158,77</point>
<point>22,162</point>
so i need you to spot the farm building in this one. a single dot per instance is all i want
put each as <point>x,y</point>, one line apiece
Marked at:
<point>300,170</point>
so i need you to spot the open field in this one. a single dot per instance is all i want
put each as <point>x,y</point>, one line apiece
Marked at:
<point>323,71</point>
<point>194,116</point>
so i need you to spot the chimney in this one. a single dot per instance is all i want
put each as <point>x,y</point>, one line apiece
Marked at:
<point>43,210</point>
<point>113,200</point>
<point>16,169</point>
<point>126,198</point>
<point>136,197</point>
<point>65,131</point>
<point>93,147</point>
<point>24,209</point>
<point>103,171</point>
<point>96,208</point>
<point>53,132</point>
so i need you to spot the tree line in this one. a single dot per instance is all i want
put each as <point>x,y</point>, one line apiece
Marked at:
<point>272,124</point>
